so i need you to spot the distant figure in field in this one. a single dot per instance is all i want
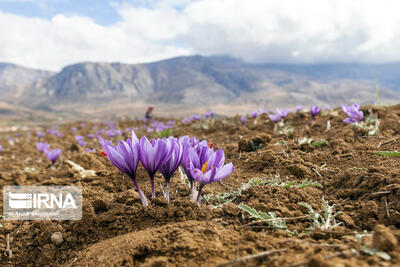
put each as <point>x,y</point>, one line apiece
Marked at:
<point>149,113</point>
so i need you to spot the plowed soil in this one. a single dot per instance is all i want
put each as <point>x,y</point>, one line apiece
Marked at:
<point>116,230</point>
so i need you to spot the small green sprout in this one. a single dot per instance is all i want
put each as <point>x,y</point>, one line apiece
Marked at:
<point>321,142</point>
<point>165,133</point>
<point>304,140</point>
<point>287,128</point>
<point>371,251</point>
<point>323,221</point>
<point>388,153</point>
<point>275,222</point>
<point>371,124</point>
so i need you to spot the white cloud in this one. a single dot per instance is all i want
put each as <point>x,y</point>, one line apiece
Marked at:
<point>257,31</point>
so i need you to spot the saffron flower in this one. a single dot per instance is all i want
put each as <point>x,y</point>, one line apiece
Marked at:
<point>154,154</point>
<point>314,110</point>
<point>125,156</point>
<point>186,120</point>
<point>275,117</point>
<point>254,114</point>
<point>79,138</point>
<point>209,114</point>
<point>243,119</point>
<point>1,148</point>
<point>42,147</point>
<point>354,112</point>
<point>53,154</point>
<point>213,168</point>
<point>282,112</point>
<point>299,108</point>
<point>74,129</point>
<point>40,134</point>
<point>196,117</point>
<point>169,167</point>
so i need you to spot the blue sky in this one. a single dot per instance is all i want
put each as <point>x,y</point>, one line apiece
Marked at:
<point>51,34</point>
<point>101,11</point>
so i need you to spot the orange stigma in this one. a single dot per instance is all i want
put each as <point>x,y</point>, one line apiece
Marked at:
<point>103,153</point>
<point>211,145</point>
<point>204,168</point>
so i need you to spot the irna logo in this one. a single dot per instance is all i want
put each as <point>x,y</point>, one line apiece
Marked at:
<point>40,201</point>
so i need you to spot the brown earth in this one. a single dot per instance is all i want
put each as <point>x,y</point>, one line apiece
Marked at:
<point>116,230</point>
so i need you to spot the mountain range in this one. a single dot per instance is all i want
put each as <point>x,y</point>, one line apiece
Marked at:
<point>196,81</point>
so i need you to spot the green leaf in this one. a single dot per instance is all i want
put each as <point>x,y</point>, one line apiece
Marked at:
<point>388,153</point>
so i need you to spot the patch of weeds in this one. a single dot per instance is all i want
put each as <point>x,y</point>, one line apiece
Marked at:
<point>368,250</point>
<point>304,140</point>
<point>166,133</point>
<point>324,221</point>
<point>254,146</point>
<point>358,169</point>
<point>276,181</point>
<point>287,128</point>
<point>318,143</point>
<point>275,222</point>
<point>388,153</point>
<point>29,169</point>
<point>223,198</point>
<point>371,124</point>
<point>371,251</point>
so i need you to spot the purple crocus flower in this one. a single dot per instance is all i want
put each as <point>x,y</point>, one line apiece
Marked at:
<point>125,156</point>
<point>79,138</point>
<point>209,114</point>
<point>169,167</point>
<point>261,111</point>
<point>186,121</point>
<point>243,119</point>
<point>74,129</point>
<point>354,113</point>
<point>196,117</point>
<point>154,154</point>
<point>42,147</point>
<point>212,167</point>
<point>282,112</point>
<point>58,134</point>
<point>299,108</point>
<point>1,148</point>
<point>40,134</point>
<point>275,117</point>
<point>53,154</point>
<point>328,107</point>
<point>254,114</point>
<point>91,136</point>
<point>82,143</point>
<point>314,110</point>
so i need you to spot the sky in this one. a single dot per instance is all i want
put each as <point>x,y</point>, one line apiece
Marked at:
<point>51,34</point>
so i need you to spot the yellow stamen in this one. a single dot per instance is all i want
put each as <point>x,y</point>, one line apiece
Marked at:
<point>204,168</point>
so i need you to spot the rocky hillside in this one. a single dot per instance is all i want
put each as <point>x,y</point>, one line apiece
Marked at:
<point>15,79</point>
<point>199,80</point>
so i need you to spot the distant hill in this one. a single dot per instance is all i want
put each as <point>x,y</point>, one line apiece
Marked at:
<point>199,80</point>
<point>14,79</point>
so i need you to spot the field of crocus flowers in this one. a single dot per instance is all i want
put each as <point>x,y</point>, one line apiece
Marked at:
<point>316,187</point>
